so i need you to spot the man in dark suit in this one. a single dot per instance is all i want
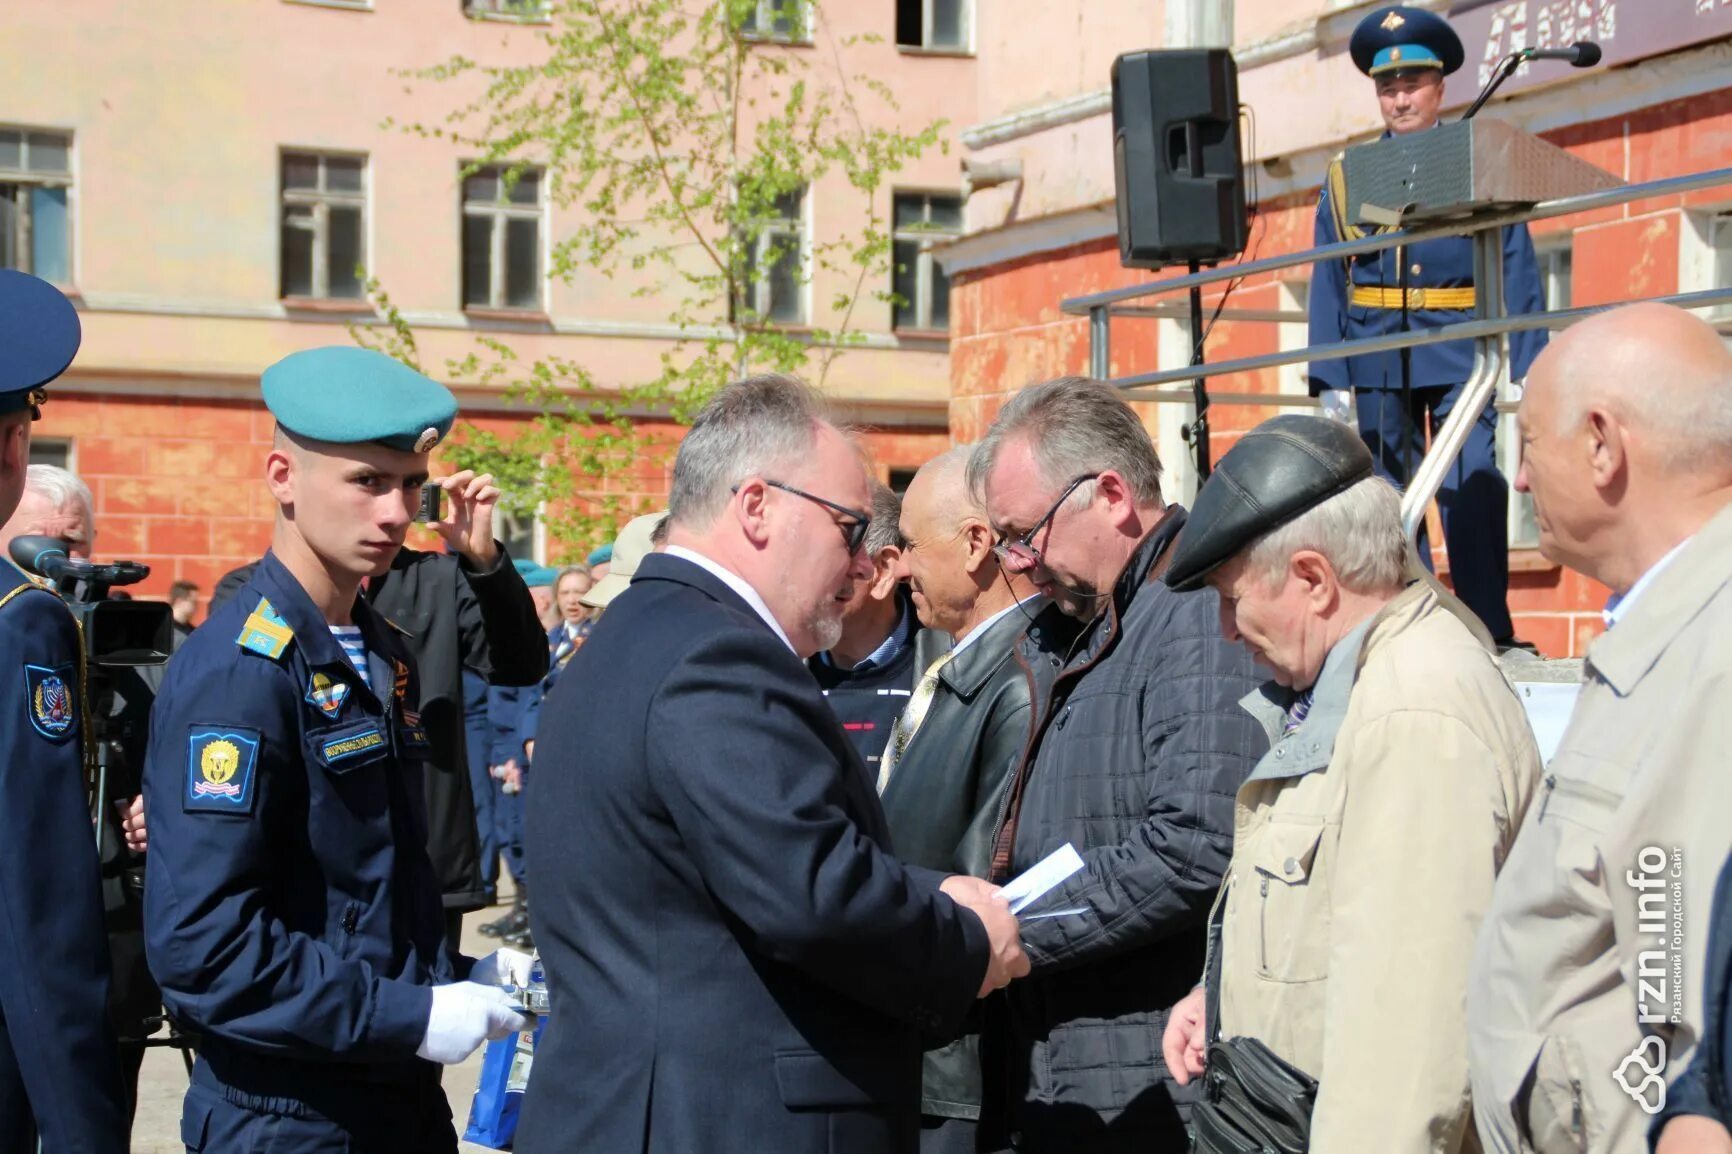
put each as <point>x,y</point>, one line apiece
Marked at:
<point>736,961</point>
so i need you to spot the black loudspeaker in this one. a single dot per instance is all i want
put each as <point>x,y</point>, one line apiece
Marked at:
<point>1176,159</point>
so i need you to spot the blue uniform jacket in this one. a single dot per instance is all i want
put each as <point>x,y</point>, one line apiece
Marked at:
<point>53,955</point>
<point>291,912</point>
<point>1705,1086</point>
<point>530,700</point>
<point>1433,264</point>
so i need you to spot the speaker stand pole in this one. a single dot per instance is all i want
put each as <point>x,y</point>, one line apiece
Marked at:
<point>1197,433</point>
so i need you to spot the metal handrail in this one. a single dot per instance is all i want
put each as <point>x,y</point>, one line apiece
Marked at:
<point>1545,210</point>
<point>1459,331</point>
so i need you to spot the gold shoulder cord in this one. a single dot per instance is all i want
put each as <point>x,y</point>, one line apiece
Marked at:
<point>84,738</point>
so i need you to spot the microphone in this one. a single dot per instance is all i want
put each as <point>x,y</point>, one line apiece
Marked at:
<point>45,557</point>
<point>1581,54</point>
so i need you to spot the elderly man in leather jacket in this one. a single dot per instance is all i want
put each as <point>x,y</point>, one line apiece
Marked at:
<point>951,751</point>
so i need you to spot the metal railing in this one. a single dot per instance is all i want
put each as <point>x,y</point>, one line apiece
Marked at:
<point>1488,328</point>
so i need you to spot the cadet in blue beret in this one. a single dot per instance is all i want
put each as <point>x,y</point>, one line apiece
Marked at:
<point>59,1068</point>
<point>1399,395</point>
<point>292,913</point>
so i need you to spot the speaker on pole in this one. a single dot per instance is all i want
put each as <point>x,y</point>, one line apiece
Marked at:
<point>1176,157</point>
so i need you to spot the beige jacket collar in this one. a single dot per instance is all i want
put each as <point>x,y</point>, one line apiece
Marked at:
<point>1623,656</point>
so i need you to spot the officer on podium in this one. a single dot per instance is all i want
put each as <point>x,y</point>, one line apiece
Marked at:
<point>59,1069</point>
<point>1399,396</point>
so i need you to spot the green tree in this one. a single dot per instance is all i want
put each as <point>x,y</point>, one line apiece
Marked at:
<point>680,130</point>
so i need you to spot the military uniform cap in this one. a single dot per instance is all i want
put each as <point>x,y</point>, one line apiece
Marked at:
<point>1282,468</point>
<point>39,335</point>
<point>1397,38</point>
<point>344,395</point>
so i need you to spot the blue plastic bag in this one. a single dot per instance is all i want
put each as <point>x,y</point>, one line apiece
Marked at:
<point>498,1096</point>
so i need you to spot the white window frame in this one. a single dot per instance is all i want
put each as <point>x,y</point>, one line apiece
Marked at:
<point>321,200</point>
<point>1705,259</point>
<point>510,11</point>
<point>763,18</point>
<point>1547,250</point>
<point>966,48</point>
<point>25,177</point>
<point>925,265</point>
<point>500,211</point>
<point>799,228</point>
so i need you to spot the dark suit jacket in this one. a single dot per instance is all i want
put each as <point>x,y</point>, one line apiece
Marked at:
<point>736,961</point>
<point>458,616</point>
<point>1705,1086</point>
<point>946,797</point>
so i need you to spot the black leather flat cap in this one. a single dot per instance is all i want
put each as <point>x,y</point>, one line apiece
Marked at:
<point>1278,470</point>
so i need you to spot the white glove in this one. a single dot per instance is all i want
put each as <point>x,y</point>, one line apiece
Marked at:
<point>1338,405</point>
<point>465,1015</point>
<point>503,967</point>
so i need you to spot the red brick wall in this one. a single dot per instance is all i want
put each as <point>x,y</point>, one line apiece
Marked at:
<point>179,482</point>
<point>1008,330</point>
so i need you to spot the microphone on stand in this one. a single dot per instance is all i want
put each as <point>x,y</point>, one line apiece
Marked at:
<point>1581,54</point>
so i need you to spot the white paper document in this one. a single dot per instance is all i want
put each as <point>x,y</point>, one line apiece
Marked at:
<point>1045,875</point>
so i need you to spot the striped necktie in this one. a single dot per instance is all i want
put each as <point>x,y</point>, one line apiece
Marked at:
<point>1296,713</point>
<point>908,721</point>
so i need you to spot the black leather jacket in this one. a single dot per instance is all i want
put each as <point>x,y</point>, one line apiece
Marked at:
<point>947,793</point>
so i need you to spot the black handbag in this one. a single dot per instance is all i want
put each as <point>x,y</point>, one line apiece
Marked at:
<point>1253,1102</point>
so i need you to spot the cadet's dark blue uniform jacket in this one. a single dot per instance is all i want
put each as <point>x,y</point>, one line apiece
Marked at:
<point>57,1058</point>
<point>291,912</point>
<point>1367,303</point>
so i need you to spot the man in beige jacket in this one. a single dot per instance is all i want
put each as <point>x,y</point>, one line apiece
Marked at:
<point>1586,995</point>
<point>1367,840</point>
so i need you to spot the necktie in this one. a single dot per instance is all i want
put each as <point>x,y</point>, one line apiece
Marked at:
<point>909,720</point>
<point>1296,713</point>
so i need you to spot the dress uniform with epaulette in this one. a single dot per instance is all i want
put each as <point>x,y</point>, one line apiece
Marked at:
<point>59,1070</point>
<point>1373,295</point>
<point>292,913</point>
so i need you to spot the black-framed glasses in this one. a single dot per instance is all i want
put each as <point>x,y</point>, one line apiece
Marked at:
<point>1021,549</point>
<point>853,531</point>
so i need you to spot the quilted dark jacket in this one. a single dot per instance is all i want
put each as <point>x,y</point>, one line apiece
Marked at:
<point>1137,750</point>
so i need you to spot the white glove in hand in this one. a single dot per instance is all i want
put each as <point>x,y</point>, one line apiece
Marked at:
<point>503,967</point>
<point>465,1015</point>
<point>1338,405</point>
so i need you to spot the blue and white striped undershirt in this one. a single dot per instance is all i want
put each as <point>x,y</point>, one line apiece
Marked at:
<point>354,648</point>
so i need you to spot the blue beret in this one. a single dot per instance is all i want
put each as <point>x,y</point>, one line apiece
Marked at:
<point>524,566</point>
<point>540,577</point>
<point>600,555</point>
<point>1396,38</point>
<point>39,335</point>
<point>344,395</point>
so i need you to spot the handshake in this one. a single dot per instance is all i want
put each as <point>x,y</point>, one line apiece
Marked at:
<point>1006,962</point>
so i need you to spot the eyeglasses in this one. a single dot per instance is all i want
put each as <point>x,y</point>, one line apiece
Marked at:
<point>1021,549</point>
<point>853,531</point>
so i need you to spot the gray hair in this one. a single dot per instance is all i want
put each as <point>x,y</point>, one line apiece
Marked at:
<point>750,428</point>
<point>579,570</point>
<point>1358,530</point>
<point>886,528</point>
<point>1075,426</point>
<point>61,488</point>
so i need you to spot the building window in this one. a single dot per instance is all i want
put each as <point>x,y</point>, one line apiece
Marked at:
<point>35,189</point>
<point>502,239</point>
<point>519,533</point>
<point>324,226</point>
<point>775,273</point>
<point>1555,261</point>
<point>922,289</point>
<point>509,9</point>
<point>900,479</point>
<point>1720,256</point>
<point>933,25</point>
<point>51,451</point>
<point>780,21</point>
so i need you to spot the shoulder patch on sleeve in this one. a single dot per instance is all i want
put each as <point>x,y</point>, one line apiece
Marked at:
<point>221,769</point>
<point>51,698</point>
<point>265,632</point>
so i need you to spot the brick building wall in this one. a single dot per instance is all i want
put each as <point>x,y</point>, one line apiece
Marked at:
<point>1009,331</point>
<point>178,481</point>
